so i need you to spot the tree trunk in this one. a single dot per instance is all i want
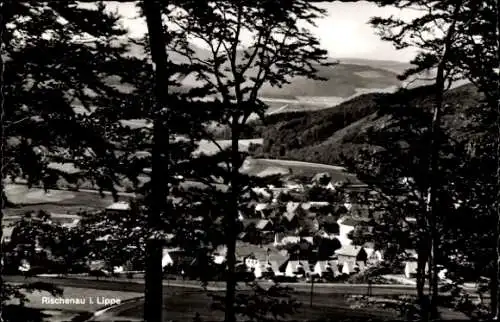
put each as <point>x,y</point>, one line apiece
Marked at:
<point>494,285</point>
<point>230,314</point>
<point>434,171</point>
<point>432,198</point>
<point>3,200</point>
<point>495,293</point>
<point>421,262</point>
<point>153,303</point>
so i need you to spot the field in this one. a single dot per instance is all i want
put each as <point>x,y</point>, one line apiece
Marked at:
<point>60,202</point>
<point>34,197</point>
<point>263,167</point>
<point>65,201</point>
<point>209,148</point>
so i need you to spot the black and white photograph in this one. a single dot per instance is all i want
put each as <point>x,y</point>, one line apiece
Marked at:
<point>249,160</point>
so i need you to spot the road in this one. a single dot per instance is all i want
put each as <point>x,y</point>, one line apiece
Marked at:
<point>183,300</point>
<point>123,284</point>
<point>182,306</point>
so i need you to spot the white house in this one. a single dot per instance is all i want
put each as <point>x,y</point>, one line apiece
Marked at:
<point>297,268</point>
<point>351,254</point>
<point>256,258</point>
<point>7,234</point>
<point>326,267</point>
<point>375,257</point>
<point>348,268</point>
<point>331,186</point>
<point>268,268</point>
<point>346,225</point>
<point>118,207</point>
<point>219,255</point>
<point>260,207</point>
<point>411,268</point>
<point>166,259</point>
<point>263,260</point>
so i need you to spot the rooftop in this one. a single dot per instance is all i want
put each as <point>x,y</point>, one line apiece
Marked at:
<point>120,205</point>
<point>349,250</point>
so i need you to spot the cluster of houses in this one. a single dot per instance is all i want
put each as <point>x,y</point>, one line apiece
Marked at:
<point>274,225</point>
<point>270,262</point>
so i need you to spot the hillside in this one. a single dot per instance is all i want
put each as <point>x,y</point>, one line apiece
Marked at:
<point>324,136</point>
<point>350,77</point>
<point>284,135</point>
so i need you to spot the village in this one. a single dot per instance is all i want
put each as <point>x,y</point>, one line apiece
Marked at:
<point>297,241</point>
<point>285,236</point>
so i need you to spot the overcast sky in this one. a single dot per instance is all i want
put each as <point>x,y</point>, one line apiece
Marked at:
<point>344,33</point>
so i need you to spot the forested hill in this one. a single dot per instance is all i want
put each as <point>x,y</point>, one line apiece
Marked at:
<point>324,136</point>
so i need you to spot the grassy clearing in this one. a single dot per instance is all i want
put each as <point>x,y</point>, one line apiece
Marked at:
<point>210,148</point>
<point>21,194</point>
<point>289,167</point>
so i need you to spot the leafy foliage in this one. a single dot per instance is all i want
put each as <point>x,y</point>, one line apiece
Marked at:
<point>263,304</point>
<point>233,77</point>
<point>57,59</point>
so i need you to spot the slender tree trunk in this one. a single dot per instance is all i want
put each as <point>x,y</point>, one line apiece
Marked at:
<point>230,314</point>
<point>433,189</point>
<point>495,293</point>
<point>3,199</point>
<point>421,262</point>
<point>434,171</point>
<point>494,283</point>
<point>153,303</point>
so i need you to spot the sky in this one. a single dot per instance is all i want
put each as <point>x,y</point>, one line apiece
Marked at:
<point>345,32</point>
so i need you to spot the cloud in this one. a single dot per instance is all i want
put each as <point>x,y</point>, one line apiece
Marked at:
<point>345,32</point>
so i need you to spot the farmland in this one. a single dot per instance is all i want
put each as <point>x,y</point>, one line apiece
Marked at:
<point>263,167</point>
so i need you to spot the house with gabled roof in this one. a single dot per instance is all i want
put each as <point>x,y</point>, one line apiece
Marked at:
<point>262,260</point>
<point>348,268</point>
<point>292,206</point>
<point>290,216</point>
<point>256,258</point>
<point>327,267</point>
<point>264,225</point>
<point>7,234</point>
<point>351,254</point>
<point>410,268</point>
<point>168,257</point>
<point>297,268</point>
<point>347,224</point>
<point>375,256</point>
<point>260,209</point>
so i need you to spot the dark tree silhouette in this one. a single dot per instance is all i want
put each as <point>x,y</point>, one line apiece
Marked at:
<point>57,62</point>
<point>279,50</point>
